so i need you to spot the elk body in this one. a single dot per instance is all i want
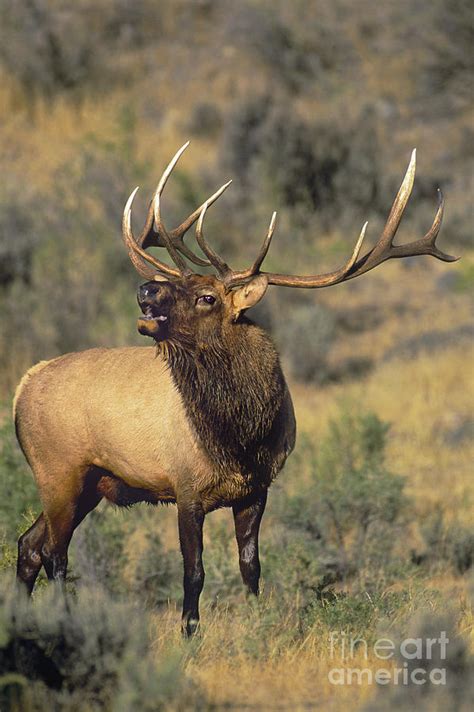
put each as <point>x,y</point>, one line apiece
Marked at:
<point>203,419</point>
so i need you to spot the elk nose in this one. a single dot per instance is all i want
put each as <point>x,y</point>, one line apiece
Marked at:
<point>148,291</point>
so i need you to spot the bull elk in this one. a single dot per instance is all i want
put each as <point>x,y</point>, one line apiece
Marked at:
<point>204,419</point>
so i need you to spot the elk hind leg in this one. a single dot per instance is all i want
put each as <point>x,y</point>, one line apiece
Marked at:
<point>29,553</point>
<point>65,512</point>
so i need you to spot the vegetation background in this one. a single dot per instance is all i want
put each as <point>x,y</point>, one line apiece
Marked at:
<point>312,107</point>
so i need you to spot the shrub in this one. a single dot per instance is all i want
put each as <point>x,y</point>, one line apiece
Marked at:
<point>356,614</point>
<point>98,551</point>
<point>299,47</point>
<point>448,41</point>
<point>447,543</point>
<point>84,653</point>
<point>463,280</point>
<point>21,222</point>
<point>223,579</point>
<point>294,563</point>
<point>305,338</point>
<point>241,139</point>
<point>205,119</point>
<point>329,166</point>
<point>64,271</point>
<point>52,47</point>
<point>458,663</point>
<point>48,47</point>
<point>351,512</point>
<point>157,573</point>
<point>121,551</point>
<point>20,495</point>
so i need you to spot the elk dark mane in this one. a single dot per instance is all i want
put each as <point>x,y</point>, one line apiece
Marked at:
<point>233,390</point>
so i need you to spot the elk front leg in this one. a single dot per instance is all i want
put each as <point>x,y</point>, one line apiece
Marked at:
<point>247,518</point>
<point>190,524</point>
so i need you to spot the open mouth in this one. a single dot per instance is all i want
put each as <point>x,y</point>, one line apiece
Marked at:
<point>149,315</point>
<point>152,323</point>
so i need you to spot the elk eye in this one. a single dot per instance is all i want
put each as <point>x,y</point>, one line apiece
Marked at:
<point>206,299</point>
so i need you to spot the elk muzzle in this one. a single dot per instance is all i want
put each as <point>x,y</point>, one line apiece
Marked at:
<point>155,301</point>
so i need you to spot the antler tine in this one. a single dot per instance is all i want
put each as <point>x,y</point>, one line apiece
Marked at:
<point>322,280</point>
<point>136,253</point>
<point>355,254</point>
<point>432,233</point>
<point>398,207</point>
<point>383,250</point>
<point>425,245</point>
<point>173,241</point>
<point>142,239</point>
<point>176,257</point>
<point>150,238</point>
<point>176,236</point>
<point>179,231</point>
<point>222,267</point>
<point>265,246</point>
<point>155,233</point>
<point>235,278</point>
<point>173,251</point>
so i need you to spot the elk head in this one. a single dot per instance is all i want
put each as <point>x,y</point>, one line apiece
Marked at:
<point>189,309</point>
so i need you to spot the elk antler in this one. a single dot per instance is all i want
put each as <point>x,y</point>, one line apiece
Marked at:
<point>230,277</point>
<point>354,267</point>
<point>160,237</point>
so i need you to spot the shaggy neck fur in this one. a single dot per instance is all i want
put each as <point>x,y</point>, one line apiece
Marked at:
<point>233,389</point>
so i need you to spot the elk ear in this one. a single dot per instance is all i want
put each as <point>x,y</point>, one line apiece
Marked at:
<point>249,295</point>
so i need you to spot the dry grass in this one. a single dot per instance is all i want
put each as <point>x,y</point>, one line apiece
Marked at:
<point>228,662</point>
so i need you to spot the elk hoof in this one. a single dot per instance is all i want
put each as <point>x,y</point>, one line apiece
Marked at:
<point>190,627</point>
